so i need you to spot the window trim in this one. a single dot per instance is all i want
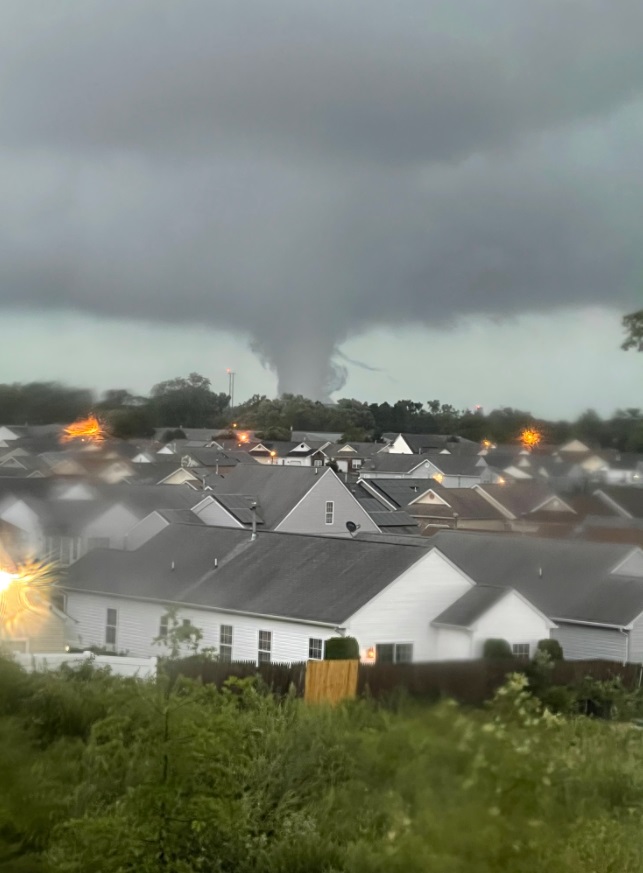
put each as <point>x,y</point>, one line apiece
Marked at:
<point>329,512</point>
<point>265,649</point>
<point>164,626</point>
<point>225,648</point>
<point>311,647</point>
<point>113,626</point>
<point>395,645</point>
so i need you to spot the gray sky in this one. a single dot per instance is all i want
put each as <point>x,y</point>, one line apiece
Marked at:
<point>449,192</point>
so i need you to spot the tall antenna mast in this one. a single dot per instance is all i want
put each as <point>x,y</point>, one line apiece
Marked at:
<point>231,376</point>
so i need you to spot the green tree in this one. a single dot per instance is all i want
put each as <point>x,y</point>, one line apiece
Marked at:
<point>633,327</point>
<point>179,635</point>
<point>187,402</point>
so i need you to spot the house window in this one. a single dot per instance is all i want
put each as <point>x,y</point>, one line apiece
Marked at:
<point>74,549</point>
<point>357,463</point>
<point>315,649</point>
<point>330,511</point>
<point>225,642</point>
<point>394,653</point>
<point>265,646</point>
<point>110,627</point>
<point>318,462</point>
<point>163,627</point>
<point>520,650</point>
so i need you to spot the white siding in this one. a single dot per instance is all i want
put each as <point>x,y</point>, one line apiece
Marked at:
<point>403,612</point>
<point>454,644</point>
<point>636,642</point>
<point>456,481</point>
<point>399,446</point>
<point>583,642</point>
<point>308,516</point>
<point>78,491</point>
<point>289,639</point>
<point>632,565</point>
<point>25,519</point>
<point>511,619</point>
<point>212,513</point>
<point>116,523</point>
<point>139,622</point>
<point>146,528</point>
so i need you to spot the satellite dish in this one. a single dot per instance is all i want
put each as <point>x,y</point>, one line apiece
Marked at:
<point>351,527</point>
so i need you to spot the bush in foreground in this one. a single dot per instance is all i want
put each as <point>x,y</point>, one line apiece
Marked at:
<point>186,778</point>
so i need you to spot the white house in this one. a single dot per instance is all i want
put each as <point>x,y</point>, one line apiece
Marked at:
<point>280,596</point>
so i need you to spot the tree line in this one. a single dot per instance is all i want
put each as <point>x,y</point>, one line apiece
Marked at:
<point>190,402</point>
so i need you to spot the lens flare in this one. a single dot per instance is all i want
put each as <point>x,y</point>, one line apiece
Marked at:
<point>25,590</point>
<point>89,429</point>
<point>530,437</point>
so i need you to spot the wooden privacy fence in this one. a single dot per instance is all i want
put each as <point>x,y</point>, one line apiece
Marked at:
<point>469,682</point>
<point>331,681</point>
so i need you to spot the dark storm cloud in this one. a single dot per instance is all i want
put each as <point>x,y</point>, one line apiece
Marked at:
<point>300,171</point>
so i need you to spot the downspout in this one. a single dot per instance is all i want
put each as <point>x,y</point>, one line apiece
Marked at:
<point>627,645</point>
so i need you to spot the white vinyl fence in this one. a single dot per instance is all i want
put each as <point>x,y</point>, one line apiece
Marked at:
<point>142,668</point>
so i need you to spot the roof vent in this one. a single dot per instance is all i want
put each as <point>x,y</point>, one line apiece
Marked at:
<point>216,563</point>
<point>540,572</point>
<point>172,565</point>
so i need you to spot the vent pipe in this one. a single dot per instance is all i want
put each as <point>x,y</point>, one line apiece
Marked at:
<point>253,509</point>
<point>216,563</point>
<point>172,565</point>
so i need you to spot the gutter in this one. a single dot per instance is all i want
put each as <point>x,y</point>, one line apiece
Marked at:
<point>617,627</point>
<point>186,604</point>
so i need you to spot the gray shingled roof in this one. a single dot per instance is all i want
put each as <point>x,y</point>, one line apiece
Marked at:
<point>420,443</point>
<point>458,465</point>
<point>180,516</point>
<point>471,606</point>
<point>397,491</point>
<point>519,498</point>
<point>276,489</point>
<point>576,582</point>
<point>303,577</point>
<point>466,502</point>
<point>239,506</point>
<point>147,572</point>
<point>389,462</point>
<point>628,497</point>
<point>318,579</point>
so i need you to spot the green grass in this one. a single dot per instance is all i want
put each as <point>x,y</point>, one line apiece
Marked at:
<point>109,775</point>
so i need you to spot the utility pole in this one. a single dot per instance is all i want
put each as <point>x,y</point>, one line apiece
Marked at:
<point>231,376</point>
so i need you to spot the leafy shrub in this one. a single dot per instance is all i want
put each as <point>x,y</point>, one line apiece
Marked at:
<point>559,699</point>
<point>14,685</point>
<point>341,649</point>
<point>172,434</point>
<point>552,647</point>
<point>496,650</point>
